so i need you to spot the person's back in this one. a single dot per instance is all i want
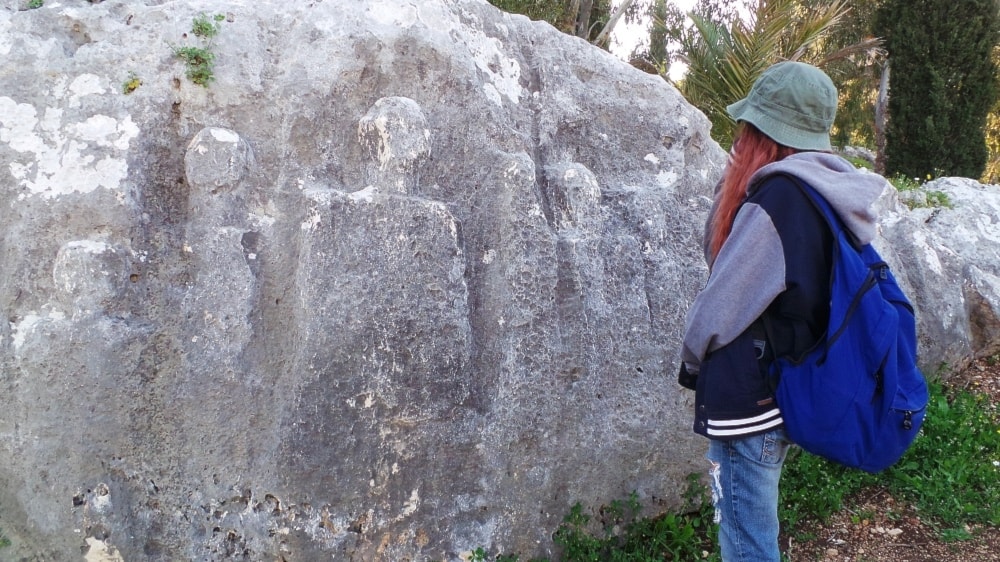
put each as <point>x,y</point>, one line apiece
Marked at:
<point>769,254</point>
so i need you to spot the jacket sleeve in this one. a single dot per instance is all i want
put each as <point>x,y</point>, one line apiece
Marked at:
<point>747,275</point>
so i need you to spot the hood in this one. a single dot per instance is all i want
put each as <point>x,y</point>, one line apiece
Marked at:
<point>849,191</point>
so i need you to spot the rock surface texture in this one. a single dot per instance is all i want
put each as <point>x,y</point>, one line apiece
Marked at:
<point>948,259</point>
<point>406,279</point>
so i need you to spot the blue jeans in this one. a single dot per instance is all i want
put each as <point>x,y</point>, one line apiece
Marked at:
<point>744,480</point>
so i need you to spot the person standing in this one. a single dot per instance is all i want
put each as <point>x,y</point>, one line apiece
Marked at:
<point>769,252</point>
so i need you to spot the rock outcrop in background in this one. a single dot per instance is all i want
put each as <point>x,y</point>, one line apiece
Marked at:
<point>406,279</point>
<point>949,262</point>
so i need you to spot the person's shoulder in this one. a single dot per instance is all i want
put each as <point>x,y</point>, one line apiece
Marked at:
<point>776,185</point>
<point>779,192</point>
<point>790,209</point>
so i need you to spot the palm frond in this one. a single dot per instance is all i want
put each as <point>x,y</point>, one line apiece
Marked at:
<point>724,61</point>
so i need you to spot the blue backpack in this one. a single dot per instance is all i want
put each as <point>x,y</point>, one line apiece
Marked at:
<point>856,398</point>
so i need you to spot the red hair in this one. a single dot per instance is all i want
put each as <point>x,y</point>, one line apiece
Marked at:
<point>752,150</point>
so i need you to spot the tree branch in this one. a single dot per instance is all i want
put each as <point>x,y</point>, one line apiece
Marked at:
<point>613,21</point>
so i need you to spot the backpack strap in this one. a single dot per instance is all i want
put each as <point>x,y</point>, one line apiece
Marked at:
<point>836,226</point>
<point>834,221</point>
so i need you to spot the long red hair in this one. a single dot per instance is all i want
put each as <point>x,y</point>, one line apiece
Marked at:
<point>752,150</point>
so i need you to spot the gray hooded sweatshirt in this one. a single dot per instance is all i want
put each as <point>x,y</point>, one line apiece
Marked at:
<point>750,269</point>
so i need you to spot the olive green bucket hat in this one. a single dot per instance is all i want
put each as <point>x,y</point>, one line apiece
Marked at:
<point>793,103</point>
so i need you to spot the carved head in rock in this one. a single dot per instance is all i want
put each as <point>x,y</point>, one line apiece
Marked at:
<point>395,137</point>
<point>89,275</point>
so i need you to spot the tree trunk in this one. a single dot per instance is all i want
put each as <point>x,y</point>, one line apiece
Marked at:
<point>583,18</point>
<point>881,119</point>
<point>612,21</point>
<point>568,19</point>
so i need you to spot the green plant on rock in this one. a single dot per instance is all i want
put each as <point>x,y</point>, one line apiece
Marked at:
<point>131,83</point>
<point>916,195</point>
<point>200,64</point>
<point>33,4</point>
<point>480,555</point>
<point>206,28</point>
<point>201,60</point>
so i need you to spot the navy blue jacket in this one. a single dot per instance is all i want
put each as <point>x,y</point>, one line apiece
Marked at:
<point>776,262</point>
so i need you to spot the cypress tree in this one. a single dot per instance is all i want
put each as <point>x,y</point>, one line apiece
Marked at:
<point>941,84</point>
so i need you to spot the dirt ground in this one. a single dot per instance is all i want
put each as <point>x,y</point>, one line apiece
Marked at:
<point>874,527</point>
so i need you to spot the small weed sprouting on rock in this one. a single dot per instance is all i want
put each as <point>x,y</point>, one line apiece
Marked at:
<point>207,28</point>
<point>201,60</point>
<point>131,83</point>
<point>33,4</point>
<point>200,63</point>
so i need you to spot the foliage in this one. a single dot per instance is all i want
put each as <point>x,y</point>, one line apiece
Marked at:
<point>480,555</point>
<point>200,64</point>
<point>716,39</point>
<point>552,11</point>
<point>914,193</point>
<point>943,84</point>
<point>992,133</point>
<point>725,57</point>
<point>201,60</point>
<point>859,162</point>
<point>856,75</point>
<point>952,470</point>
<point>584,19</point>
<point>207,28</point>
<point>667,24</point>
<point>814,489</point>
<point>622,536</point>
<point>33,4</point>
<point>950,473</point>
<point>131,83</point>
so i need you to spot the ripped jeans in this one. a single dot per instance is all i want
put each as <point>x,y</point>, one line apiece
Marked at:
<point>744,479</point>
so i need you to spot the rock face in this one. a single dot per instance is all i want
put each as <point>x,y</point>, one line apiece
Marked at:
<point>406,279</point>
<point>949,259</point>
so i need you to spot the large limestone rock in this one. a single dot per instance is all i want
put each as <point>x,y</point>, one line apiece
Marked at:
<point>949,259</point>
<point>405,280</point>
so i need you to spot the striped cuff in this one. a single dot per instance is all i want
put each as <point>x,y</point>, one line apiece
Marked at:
<point>745,426</point>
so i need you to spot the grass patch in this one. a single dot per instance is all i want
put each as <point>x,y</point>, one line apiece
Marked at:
<point>859,162</point>
<point>623,536</point>
<point>952,471</point>
<point>618,534</point>
<point>950,474</point>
